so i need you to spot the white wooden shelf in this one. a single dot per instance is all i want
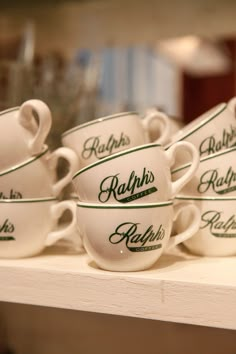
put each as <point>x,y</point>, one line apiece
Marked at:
<point>179,288</point>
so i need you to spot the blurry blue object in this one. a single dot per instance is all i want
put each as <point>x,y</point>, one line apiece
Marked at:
<point>132,78</point>
<point>129,78</point>
<point>83,57</point>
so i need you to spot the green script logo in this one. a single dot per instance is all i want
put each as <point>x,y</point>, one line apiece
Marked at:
<point>12,195</point>
<point>94,146</point>
<point>210,145</point>
<point>217,226</point>
<point>5,229</point>
<point>112,187</point>
<point>219,184</point>
<point>135,240</point>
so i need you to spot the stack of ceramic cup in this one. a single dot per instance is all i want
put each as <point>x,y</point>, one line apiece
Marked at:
<point>125,208</point>
<point>29,209</point>
<point>213,188</point>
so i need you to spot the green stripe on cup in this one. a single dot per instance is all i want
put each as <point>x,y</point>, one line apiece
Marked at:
<point>215,199</point>
<point>25,163</point>
<point>97,121</point>
<point>129,206</point>
<point>116,155</point>
<point>28,200</point>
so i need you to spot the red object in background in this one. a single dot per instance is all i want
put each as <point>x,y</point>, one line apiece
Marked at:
<point>202,93</point>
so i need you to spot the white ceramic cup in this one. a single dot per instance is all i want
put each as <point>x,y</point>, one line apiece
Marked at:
<point>105,136</point>
<point>34,177</point>
<point>131,237</point>
<point>175,123</point>
<point>27,226</point>
<point>217,232</point>
<point>23,135</point>
<point>215,176</point>
<point>141,174</point>
<point>213,131</point>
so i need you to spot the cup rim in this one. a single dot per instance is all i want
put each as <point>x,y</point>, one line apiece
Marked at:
<point>114,156</point>
<point>96,121</point>
<point>25,163</point>
<point>8,110</point>
<point>124,206</point>
<point>205,158</point>
<point>194,198</point>
<point>221,107</point>
<point>28,200</point>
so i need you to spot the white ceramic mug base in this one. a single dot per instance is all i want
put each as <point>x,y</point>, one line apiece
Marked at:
<point>131,238</point>
<point>27,226</point>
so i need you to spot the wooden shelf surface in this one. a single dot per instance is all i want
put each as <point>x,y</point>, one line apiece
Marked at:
<point>178,288</point>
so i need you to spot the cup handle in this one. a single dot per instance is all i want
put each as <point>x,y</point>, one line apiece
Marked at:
<point>70,156</point>
<point>192,228</point>
<point>184,179</point>
<point>163,125</point>
<point>56,212</point>
<point>41,129</point>
<point>232,105</point>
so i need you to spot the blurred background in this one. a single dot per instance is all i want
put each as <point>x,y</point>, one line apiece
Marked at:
<point>87,59</point>
<point>91,58</point>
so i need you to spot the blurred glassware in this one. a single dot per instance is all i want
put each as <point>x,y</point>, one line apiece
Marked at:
<point>16,56</point>
<point>69,87</point>
<point>89,85</point>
